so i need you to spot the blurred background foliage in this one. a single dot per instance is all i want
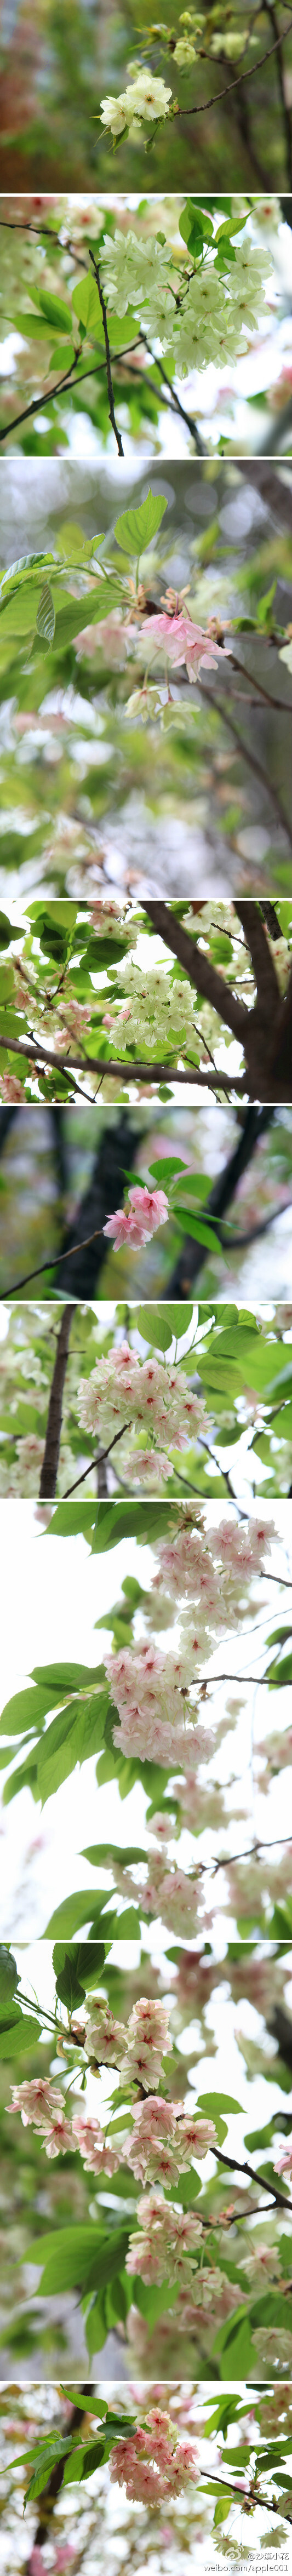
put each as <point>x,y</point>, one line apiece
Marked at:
<point>87,801</point>
<point>61,1169</point>
<point>58,64</point>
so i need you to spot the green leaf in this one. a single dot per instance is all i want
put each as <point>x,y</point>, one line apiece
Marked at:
<point>71,1914</point>
<point>45,620</point>
<point>9,1978</point>
<point>167,1167</point>
<point>85,299</point>
<point>159,1327</point>
<point>213,2104</point>
<point>21,2033</point>
<point>223,2508</point>
<point>27,1710</point>
<point>73,1736</point>
<point>54,310</point>
<point>76,1968</point>
<point>135,529</point>
<point>81,2257</point>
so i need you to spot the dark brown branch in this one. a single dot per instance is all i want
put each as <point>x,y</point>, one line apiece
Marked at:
<point>54,1424</point>
<point>112,415</point>
<point>55,2482</point>
<point>198,967</point>
<point>235,2167</point>
<point>40,1054</point>
<point>268,991</point>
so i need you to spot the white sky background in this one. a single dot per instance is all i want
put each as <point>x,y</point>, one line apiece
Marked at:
<point>51,1601</point>
<point>207,392</point>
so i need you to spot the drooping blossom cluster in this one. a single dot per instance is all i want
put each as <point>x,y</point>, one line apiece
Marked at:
<point>180,641</point>
<point>153,2462</point>
<point>43,2108</point>
<point>167,1892</point>
<point>165,2241</point>
<point>123,1388</point>
<point>150,1690</point>
<point>136,2047</point>
<point>165,2139</point>
<point>147,1210</point>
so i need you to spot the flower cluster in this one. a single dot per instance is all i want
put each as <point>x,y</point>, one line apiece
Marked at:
<point>158,1011</point>
<point>123,1388</point>
<point>166,2239</point>
<point>164,2140</point>
<point>150,1689</point>
<point>152,2462</point>
<point>181,641</point>
<point>145,99</point>
<point>188,1565</point>
<point>147,1210</point>
<point>136,2047</point>
<point>43,2108</point>
<point>197,314</point>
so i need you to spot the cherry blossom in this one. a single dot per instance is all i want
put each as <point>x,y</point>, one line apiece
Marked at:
<point>166,2237</point>
<point>147,1210</point>
<point>173,2460</point>
<point>183,642</point>
<point>36,2100</point>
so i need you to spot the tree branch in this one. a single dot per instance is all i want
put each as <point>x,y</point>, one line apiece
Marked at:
<point>268,991</point>
<point>218,94</point>
<point>193,1255</point>
<point>234,2167</point>
<point>190,423</point>
<point>40,1055</point>
<point>112,415</point>
<point>97,1462</point>
<point>252,761</point>
<point>54,1424</point>
<point>198,967</point>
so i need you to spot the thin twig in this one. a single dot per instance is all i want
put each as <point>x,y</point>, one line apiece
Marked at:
<point>97,1462</point>
<point>112,415</point>
<point>218,94</point>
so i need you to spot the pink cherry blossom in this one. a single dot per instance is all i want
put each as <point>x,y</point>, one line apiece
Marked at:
<point>12,1089</point>
<point>283,2161</point>
<point>183,642</point>
<point>36,2100</point>
<point>147,1210</point>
